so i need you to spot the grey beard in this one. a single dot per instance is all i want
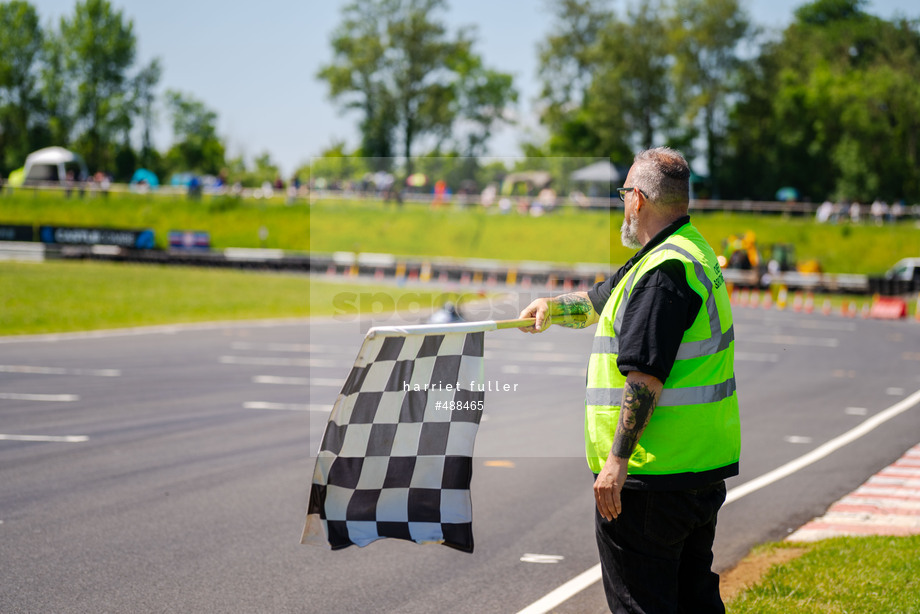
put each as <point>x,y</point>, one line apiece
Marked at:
<point>629,233</point>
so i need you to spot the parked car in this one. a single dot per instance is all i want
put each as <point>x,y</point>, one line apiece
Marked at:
<point>907,269</point>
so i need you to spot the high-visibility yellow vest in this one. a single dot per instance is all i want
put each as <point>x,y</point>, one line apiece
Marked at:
<point>695,428</point>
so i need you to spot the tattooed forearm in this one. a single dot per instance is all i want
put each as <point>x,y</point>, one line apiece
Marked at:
<point>638,404</point>
<point>573,305</point>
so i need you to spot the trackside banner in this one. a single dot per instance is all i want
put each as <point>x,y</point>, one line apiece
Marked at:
<point>11,232</point>
<point>133,239</point>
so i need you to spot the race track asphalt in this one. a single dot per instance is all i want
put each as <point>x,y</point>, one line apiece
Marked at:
<point>183,485</point>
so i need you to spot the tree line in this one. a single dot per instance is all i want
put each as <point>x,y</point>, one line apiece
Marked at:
<point>78,83</point>
<point>830,105</point>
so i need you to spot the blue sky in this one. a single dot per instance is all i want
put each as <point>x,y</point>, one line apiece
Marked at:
<point>255,62</point>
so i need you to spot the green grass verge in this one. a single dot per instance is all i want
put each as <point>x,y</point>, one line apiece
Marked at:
<point>415,230</point>
<point>571,236</point>
<point>845,574</point>
<point>77,296</point>
<point>231,222</point>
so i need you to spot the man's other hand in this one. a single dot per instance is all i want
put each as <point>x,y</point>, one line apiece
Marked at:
<point>608,485</point>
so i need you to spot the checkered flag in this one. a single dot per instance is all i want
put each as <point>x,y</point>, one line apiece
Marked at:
<point>396,457</point>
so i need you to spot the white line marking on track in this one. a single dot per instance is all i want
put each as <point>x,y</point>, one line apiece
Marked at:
<point>894,392</point>
<point>756,357</point>
<point>824,342</point>
<point>797,439</point>
<point>541,558</point>
<point>564,592</point>
<point>58,371</point>
<point>563,371</point>
<point>304,348</point>
<point>592,575</point>
<point>822,325</point>
<point>164,329</point>
<point>823,450</point>
<point>275,361</point>
<point>856,411</point>
<point>54,398</point>
<point>297,381</point>
<point>48,438</point>
<point>535,357</point>
<point>286,406</point>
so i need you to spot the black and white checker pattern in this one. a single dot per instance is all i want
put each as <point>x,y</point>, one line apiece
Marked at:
<point>391,464</point>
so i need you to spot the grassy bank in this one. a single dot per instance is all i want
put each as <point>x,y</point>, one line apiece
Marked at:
<point>231,222</point>
<point>565,236</point>
<point>846,574</point>
<point>77,296</point>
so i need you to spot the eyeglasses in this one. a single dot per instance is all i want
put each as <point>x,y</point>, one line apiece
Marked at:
<point>622,192</point>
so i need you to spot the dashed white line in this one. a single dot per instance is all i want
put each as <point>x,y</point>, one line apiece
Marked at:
<point>823,325</point>
<point>541,558</point>
<point>274,347</point>
<point>297,381</point>
<point>48,438</point>
<point>54,398</point>
<point>797,439</point>
<point>756,357</point>
<point>163,329</point>
<point>58,371</point>
<point>856,411</point>
<point>825,342</point>
<point>286,406</point>
<point>304,348</point>
<point>535,357</point>
<point>562,371</point>
<point>274,361</point>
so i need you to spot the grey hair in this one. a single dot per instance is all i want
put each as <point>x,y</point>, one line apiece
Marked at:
<point>663,175</point>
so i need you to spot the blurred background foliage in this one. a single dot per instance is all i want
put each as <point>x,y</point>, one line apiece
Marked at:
<point>829,105</point>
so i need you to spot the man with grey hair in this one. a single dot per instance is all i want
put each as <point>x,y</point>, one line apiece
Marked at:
<point>662,426</point>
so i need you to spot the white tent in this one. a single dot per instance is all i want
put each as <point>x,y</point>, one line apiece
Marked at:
<point>599,172</point>
<point>51,164</point>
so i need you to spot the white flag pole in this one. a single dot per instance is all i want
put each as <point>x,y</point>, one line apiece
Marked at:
<point>464,327</point>
<point>524,322</point>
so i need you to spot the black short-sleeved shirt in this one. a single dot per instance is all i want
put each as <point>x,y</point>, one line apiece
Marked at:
<point>661,307</point>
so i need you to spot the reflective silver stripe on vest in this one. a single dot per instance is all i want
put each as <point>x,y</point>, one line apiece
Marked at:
<point>627,290</point>
<point>692,349</point>
<point>605,345</point>
<point>706,347</point>
<point>695,395</point>
<point>717,340</point>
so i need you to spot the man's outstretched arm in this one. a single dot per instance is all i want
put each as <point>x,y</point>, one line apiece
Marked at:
<point>640,397</point>
<point>571,304</point>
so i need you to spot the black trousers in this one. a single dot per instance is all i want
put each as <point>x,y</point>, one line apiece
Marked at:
<point>656,557</point>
